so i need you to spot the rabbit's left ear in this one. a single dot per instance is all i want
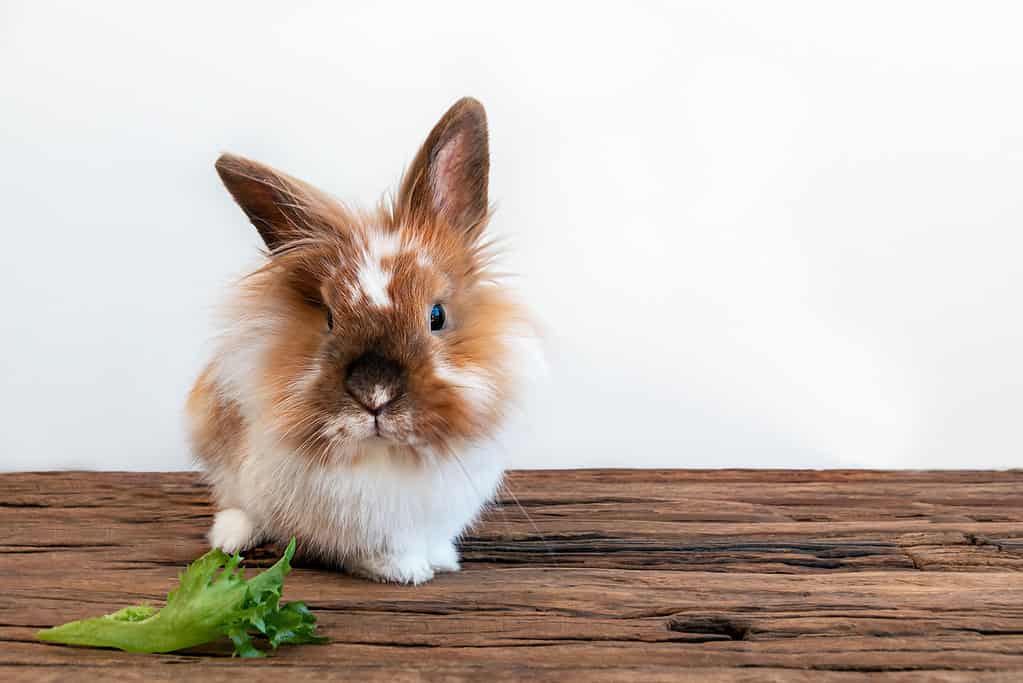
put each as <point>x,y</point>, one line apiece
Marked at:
<point>448,178</point>
<point>281,208</point>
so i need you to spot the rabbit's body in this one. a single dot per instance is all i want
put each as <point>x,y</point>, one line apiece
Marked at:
<point>363,366</point>
<point>386,515</point>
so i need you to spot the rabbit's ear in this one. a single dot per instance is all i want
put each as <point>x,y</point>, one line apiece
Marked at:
<point>282,208</point>
<point>448,178</point>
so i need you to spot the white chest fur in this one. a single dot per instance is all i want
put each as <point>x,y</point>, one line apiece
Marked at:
<point>385,502</point>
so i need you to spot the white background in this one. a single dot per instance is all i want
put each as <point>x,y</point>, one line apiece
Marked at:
<point>759,234</point>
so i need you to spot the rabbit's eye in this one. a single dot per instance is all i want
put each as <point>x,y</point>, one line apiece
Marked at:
<point>330,320</point>
<point>437,318</point>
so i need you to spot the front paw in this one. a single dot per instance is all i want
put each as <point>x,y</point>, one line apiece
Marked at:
<point>444,557</point>
<point>233,531</point>
<point>407,569</point>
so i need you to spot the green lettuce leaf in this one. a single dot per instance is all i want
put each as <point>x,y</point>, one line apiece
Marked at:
<point>206,606</point>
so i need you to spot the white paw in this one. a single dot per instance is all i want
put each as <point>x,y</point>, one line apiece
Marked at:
<point>444,557</point>
<point>233,531</point>
<point>413,569</point>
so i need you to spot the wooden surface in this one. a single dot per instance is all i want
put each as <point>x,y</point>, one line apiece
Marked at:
<point>614,575</point>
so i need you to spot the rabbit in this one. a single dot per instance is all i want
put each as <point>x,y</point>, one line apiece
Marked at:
<point>364,366</point>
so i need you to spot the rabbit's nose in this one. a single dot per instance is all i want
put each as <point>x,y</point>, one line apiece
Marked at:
<point>374,381</point>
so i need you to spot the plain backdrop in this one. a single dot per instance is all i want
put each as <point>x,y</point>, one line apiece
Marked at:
<point>764,234</point>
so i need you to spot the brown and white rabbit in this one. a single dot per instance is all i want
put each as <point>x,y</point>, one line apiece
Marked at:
<point>364,366</point>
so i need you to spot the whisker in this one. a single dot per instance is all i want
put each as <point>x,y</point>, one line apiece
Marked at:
<point>468,477</point>
<point>507,487</point>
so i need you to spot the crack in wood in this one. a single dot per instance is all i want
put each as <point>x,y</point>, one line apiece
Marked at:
<point>712,628</point>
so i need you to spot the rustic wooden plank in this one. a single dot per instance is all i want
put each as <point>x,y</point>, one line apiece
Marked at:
<point>596,574</point>
<point>231,672</point>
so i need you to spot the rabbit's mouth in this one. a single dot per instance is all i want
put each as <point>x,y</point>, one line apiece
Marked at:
<point>382,428</point>
<point>390,425</point>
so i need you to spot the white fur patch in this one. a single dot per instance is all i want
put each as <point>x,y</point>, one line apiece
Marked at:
<point>233,531</point>
<point>444,557</point>
<point>241,357</point>
<point>373,281</point>
<point>409,569</point>
<point>472,383</point>
<point>372,277</point>
<point>383,244</point>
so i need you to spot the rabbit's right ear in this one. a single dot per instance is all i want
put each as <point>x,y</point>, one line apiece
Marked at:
<point>450,174</point>
<point>281,207</point>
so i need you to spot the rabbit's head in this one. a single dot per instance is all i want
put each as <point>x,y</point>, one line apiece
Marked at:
<point>375,327</point>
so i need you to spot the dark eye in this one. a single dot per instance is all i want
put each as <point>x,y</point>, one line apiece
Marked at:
<point>437,318</point>
<point>330,320</point>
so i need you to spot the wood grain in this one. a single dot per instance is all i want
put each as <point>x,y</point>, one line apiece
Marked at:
<point>601,575</point>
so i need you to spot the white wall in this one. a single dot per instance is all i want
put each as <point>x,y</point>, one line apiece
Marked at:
<point>760,234</point>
